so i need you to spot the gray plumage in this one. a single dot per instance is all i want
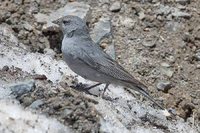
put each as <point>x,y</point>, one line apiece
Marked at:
<point>89,61</point>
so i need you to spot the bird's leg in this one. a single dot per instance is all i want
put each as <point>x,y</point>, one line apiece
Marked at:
<point>88,88</point>
<point>104,90</point>
<point>82,87</point>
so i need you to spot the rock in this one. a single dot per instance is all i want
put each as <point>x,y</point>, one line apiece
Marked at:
<point>167,72</point>
<point>183,2</point>
<point>148,44</point>
<point>164,86</point>
<point>41,18</point>
<point>154,1</point>
<point>26,101</point>
<point>177,13</point>
<point>136,61</point>
<point>163,10</point>
<point>5,68</point>
<point>181,43</point>
<point>181,7</point>
<point>22,88</point>
<point>198,66</point>
<point>115,7</point>
<point>27,26</point>
<point>171,59</point>
<point>101,29</point>
<point>34,7</point>
<point>36,104</point>
<point>103,45</point>
<point>110,50</point>
<point>66,112</point>
<point>19,2</point>
<point>188,37</point>
<point>197,56</point>
<point>50,52</point>
<point>173,26</point>
<point>173,111</point>
<point>196,101</point>
<point>164,64</point>
<point>6,30</point>
<point>104,1</point>
<point>127,22</point>
<point>141,15</point>
<point>4,15</point>
<point>79,9</point>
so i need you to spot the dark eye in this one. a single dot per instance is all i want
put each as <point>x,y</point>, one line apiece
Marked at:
<point>66,22</point>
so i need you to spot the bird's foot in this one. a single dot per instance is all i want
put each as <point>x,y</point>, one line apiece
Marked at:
<point>84,88</point>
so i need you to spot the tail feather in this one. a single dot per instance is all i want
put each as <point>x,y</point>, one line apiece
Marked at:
<point>146,94</point>
<point>141,88</point>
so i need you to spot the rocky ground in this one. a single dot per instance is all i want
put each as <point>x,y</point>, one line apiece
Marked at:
<point>157,41</point>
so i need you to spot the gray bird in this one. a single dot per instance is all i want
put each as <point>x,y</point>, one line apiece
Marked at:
<point>88,60</point>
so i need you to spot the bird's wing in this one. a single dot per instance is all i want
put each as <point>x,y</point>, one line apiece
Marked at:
<point>96,58</point>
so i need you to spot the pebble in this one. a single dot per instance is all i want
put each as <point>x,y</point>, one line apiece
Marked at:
<point>164,10</point>
<point>177,13</point>
<point>7,31</point>
<point>41,18</point>
<point>110,50</point>
<point>171,11</point>
<point>164,64</point>
<point>198,66</point>
<point>34,7</point>
<point>36,104</point>
<point>173,26</point>
<point>195,101</point>
<point>167,72</point>
<point>26,101</point>
<point>164,86</point>
<point>66,112</point>
<point>188,37</point>
<point>173,111</point>
<point>197,56</point>
<point>27,26</point>
<point>50,52</point>
<point>19,2</point>
<point>141,15</point>
<point>21,88</point>
<point>127,22</point>
<point>183,2</point>
<point>171,59</point>
<point>115,7</point>
<point>104,45</point>
<point>5,68</point>
<point>148,44</point>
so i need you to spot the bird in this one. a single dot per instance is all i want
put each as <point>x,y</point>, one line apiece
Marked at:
<point>88,59</point>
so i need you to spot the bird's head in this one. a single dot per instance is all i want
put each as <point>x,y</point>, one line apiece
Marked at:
<point>69,24</point>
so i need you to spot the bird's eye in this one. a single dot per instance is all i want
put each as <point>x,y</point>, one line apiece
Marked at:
<point>66,22</point>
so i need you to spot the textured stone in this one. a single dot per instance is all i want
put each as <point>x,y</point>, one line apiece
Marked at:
<point>115,7</point>
<point>164,86</point>
<point>101,29</point>
<point>22,88</point>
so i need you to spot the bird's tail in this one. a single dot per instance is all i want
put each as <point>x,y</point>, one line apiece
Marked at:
<point>146,94</point>
<point>142,89</point>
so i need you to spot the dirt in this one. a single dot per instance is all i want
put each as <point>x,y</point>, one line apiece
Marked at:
<point>175,41</point>
<point>59,101</point>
